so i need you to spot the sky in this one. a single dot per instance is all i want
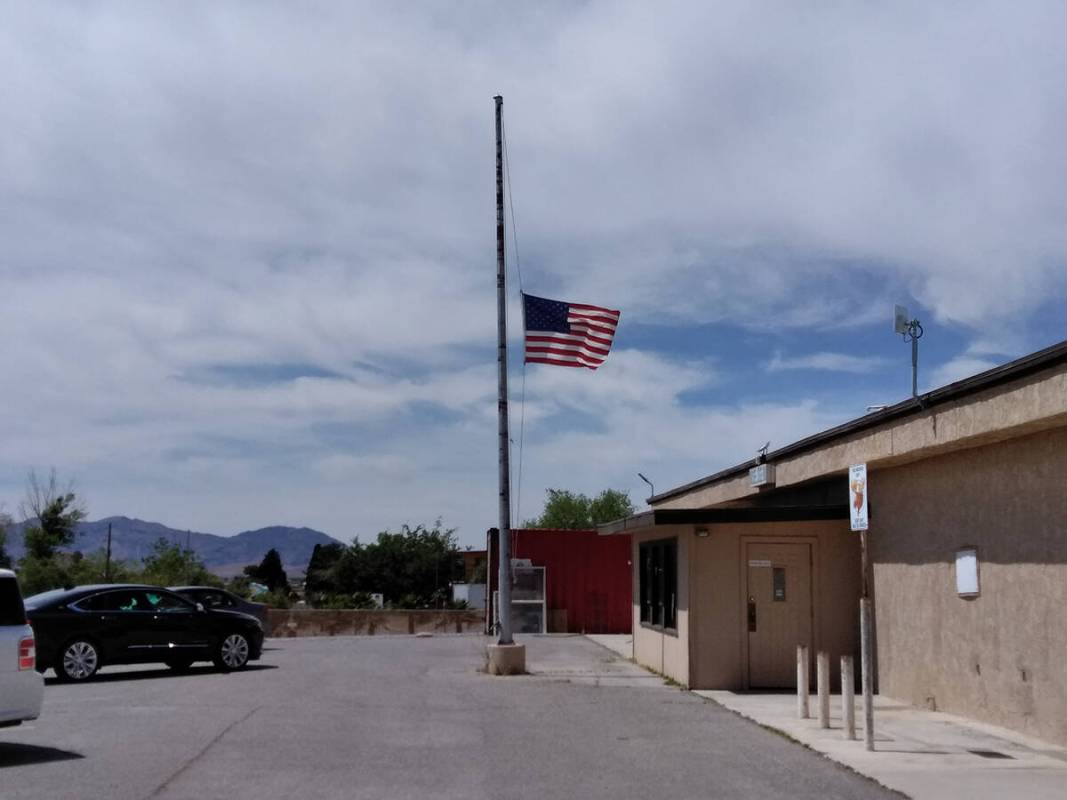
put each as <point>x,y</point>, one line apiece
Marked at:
<point>248,258</point>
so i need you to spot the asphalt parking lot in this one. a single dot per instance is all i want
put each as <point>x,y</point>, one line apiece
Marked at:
<point>403,717</point>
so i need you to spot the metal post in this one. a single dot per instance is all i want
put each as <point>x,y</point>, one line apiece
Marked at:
<point>107,558</point>
<point>914,365</point>
<point>848,696</point>
<point>866,654</point>
<point>802,682</point>
<point>822,672</point>
<point>504,529</point>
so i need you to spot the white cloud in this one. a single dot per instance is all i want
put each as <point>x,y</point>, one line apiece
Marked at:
<point>959,368</point>
<point>201,187</point>
<point>832,362</point>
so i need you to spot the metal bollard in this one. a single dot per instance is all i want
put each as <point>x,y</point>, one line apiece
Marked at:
<point>802,682</point>
<point>822,665</point>
<point>848,696</point>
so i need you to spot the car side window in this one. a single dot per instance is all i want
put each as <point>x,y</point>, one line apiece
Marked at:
<point>122,600</point>
<point>216,600</point>
<point>166,602</point>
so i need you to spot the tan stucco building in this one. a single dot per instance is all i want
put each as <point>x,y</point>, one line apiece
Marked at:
<point>730,577</point>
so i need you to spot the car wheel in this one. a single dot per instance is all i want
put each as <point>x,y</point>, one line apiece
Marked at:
<point>232,652</point>
<point>180,664</point>
<point>78,661</point>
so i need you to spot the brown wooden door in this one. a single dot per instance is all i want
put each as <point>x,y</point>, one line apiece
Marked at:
<point>778,612</point>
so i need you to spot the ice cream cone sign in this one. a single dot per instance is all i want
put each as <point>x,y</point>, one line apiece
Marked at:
<point>857,487</point>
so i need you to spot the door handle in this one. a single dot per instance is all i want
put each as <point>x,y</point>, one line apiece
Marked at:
<point>751,614</point>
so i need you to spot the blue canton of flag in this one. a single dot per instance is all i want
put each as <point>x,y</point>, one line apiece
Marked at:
<point>567,334</point>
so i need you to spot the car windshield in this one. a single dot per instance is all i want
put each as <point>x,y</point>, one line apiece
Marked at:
<point>44,598</point>
<point>11,610</point>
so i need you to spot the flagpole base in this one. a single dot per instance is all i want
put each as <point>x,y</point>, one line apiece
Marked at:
<point>506,659</point>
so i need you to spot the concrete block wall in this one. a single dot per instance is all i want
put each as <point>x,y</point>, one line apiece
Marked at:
<point>287,623</point>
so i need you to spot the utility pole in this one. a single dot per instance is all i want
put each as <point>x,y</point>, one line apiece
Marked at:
<point>505,658</point>
<point>866,647</point>
<point>107,558</point>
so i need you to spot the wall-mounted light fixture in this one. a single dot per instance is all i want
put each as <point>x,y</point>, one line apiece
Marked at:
<point>967,585</point>
<point>651,488</point>
<point>702,533</point>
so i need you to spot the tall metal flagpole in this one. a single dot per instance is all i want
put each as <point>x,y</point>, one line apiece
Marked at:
<point>504,528</point>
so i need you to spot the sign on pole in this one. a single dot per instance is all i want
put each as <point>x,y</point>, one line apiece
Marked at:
<point>857,487</point>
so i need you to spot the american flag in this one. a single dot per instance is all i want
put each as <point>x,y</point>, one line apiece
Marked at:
<point>567,334</point>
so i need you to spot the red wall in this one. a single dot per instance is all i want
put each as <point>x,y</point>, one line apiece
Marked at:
<point>585,573</point>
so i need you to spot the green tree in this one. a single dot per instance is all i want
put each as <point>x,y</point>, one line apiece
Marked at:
<point>92,568</point>
<point>270,572</point>
<point>610,505</point>
<point>52,515</point>
<point>411,568</point>
<point>5,526</point>
<point>568,510</point>
<point>171,564</point>
<point>319,578</point>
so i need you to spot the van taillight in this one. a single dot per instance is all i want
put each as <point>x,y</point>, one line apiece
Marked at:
<point>27,653</point>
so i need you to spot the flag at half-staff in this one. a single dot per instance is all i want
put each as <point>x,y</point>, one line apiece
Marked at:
<point>567,334</point>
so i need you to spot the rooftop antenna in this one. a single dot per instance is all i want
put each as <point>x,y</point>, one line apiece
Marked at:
<point>912,332</point>
<point>651,488</point>
<point>762,453</point>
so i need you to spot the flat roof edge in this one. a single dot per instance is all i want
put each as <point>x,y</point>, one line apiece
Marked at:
<point>1020,368</point>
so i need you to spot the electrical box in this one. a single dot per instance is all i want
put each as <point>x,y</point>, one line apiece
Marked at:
<point>761,475</point>
<point>967,572</point>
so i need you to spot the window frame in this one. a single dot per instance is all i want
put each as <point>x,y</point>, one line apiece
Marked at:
<point>657,561</point>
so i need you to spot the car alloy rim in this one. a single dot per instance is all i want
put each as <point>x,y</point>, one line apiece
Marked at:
<point>79,661</point>
<point>235,650</point>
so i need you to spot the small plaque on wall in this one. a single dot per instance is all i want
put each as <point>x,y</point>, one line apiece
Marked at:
<point>967,572</point>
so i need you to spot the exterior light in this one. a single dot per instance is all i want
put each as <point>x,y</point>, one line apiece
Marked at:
<point>651,488</point>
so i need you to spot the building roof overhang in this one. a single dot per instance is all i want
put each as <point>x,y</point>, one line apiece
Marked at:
<point>655,518</point>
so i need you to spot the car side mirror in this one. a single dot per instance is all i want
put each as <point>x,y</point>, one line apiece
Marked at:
<point>200,607</point>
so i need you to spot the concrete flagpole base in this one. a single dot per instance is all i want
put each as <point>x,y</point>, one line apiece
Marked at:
<point>507,659</point>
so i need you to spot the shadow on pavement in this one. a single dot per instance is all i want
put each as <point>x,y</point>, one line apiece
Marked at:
<point>156,674</point>
<point>17,755</point>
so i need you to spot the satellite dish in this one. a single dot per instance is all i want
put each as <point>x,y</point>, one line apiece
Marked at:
<point>900,319</point>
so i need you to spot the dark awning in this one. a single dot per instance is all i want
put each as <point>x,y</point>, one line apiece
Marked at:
<point>711,516</point>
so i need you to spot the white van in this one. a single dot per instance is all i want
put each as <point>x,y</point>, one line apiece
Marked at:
<point>21,686</point>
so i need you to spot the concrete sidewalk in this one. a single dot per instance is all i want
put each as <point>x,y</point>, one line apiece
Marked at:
<point>925,754</point>
<point>620,643</point>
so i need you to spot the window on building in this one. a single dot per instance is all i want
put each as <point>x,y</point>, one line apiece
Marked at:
<point>658,578</point>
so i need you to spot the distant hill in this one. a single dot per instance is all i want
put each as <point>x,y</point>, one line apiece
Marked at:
<point>132,540</point>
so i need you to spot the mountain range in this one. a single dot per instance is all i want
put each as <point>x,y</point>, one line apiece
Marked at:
<point>132,540</point>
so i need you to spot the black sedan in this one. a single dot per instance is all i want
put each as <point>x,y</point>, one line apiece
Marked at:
<point>80,630</point>
<point>212,598</point>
